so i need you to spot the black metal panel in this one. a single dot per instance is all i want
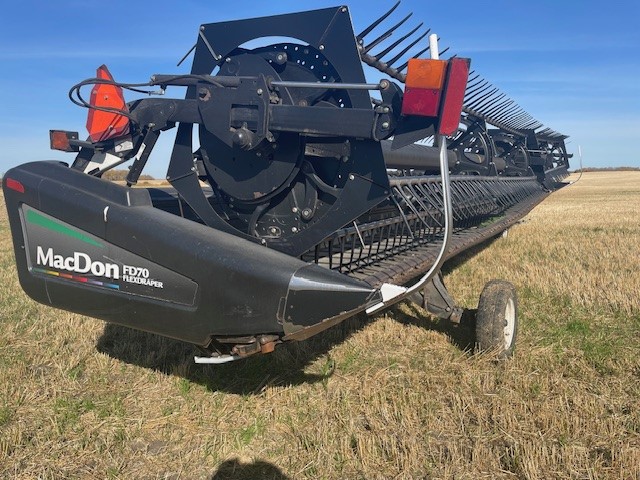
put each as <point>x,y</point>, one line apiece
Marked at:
<point>329,28</point>
<point>240,287</point>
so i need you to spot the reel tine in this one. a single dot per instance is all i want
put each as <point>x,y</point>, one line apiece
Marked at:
<point>500,107</point>
<point>386,34</point>
<point>524,126</point>
<point>368,30</point>
<point>505,120</point>
<point>531,121</point>
<point>469,94</point>
<point>532,126</point>
<point>407,48</point>
<point>523,121</point>
<point>469,85</point>
<point>516,119</point>
<point>376,42</point>
<point>443,51</point>
<point>478,101</point>
<point>404,65</point>
<point>187,54</point>
<point>491,102</point>
<point>509,113</point>
<point>480,105</point>
<point>520,122</point>
<point>397,42</point>
<point>477,92</point>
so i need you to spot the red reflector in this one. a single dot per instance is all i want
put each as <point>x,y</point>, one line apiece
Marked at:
<point>456,85</point>
<point>105,125</point>
<point>423,87</point>
<point>14,185</point>
<point>421,101</point>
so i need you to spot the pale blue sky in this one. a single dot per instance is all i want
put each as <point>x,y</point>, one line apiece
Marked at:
<point>572,65</point>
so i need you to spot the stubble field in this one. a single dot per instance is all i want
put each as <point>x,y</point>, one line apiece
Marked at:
<point>398,396</point>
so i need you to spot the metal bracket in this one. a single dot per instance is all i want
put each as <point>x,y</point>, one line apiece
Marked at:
<point>437,301</point>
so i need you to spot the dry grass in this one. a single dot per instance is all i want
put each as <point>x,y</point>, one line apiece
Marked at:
<point>397,397</point>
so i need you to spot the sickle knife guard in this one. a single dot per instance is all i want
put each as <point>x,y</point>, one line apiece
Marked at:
<point>310,196</point>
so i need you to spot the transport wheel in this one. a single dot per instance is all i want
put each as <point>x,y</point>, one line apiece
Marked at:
<point>497,318</point>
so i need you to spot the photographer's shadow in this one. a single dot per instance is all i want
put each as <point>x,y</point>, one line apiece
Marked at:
<point>235,470</point>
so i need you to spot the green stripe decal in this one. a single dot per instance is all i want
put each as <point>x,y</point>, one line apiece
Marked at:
<point>41,220</point>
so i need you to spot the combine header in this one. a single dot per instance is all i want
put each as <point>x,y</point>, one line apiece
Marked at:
<point>311,196</point>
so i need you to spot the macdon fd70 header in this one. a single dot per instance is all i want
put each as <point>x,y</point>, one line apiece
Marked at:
<point>312,195</point>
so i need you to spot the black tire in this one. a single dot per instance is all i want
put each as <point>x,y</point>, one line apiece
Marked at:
<point>497,319</point>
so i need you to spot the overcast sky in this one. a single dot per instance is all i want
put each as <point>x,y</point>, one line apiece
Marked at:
<point>573,65</point>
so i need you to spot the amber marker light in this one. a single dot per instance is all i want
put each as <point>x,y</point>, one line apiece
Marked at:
<point>423,87</point>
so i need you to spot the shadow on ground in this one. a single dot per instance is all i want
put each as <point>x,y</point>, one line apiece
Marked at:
<point>235,470</point>
<point>285,366</point>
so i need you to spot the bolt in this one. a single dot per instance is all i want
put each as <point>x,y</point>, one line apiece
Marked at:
<point>294,229</point>
<point>306,213</point>
<point>259,91</point>
<point>321,47</point>
<point>258,154</point>
<point>345,159</point>
<point>384,84</point>
<point>352,177</point>
<point>294,209</point>
<point>385,110</point>
<point>273,230</point>
<point>202,28</point>
<point>385,125</point>
<point>228,59</point>
<point>343,9</point>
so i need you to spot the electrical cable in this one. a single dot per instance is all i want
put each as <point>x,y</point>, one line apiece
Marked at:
<point>76,97</point>
<point>581,169</point>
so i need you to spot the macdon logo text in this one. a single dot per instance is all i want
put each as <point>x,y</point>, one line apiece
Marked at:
<point>80,262</point>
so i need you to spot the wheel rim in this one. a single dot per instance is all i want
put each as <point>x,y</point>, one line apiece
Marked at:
<point>509,323</point>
